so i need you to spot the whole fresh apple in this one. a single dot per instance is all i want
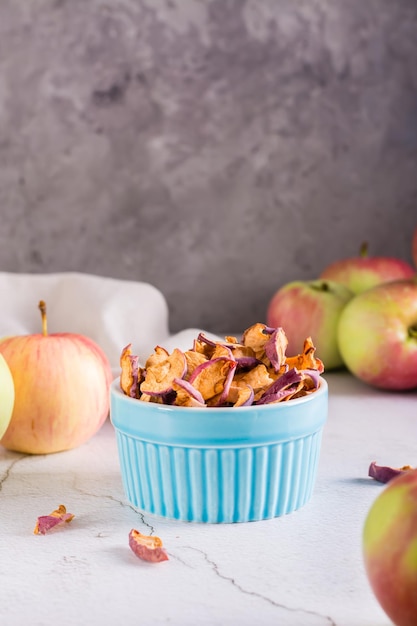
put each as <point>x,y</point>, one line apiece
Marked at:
<point>310,309</point>
<point>377,335</point>
<point>363,272</point>
<point>389,544</point>
<point>6,396</point>
<point>62,383</point>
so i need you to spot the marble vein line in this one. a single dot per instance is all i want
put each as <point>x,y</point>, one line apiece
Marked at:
<point>118,501</point>
<point>9,470</point>
<point>233,582</point>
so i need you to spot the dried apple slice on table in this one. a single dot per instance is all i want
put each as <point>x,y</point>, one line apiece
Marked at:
<point>45,523</point>
<point>385,473</point>
<point>146,547</point>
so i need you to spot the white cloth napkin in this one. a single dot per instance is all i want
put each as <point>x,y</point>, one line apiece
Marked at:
<point>112,312</point>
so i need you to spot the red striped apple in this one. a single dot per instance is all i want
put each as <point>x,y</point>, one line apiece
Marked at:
<point>310,309</point>
<point>377,335</point>
<point>62,383</point>
<point>390,549</point>
<point>6,396</point>
<point>363,272</point>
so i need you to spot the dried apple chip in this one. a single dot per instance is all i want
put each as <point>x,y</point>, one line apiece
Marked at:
<point>186,394</point>
<point>222,398</point>
<point>204,345</point>
<point>275,348</point>
<point>308,384</point>
<point>307,359</point>
<point>131,374</point>
<point>244,395</point>
<point>285,385</point>
<point>47,522</point>
<point>385,473</point>
<point>193,359</point>
<point>311,379</point>
<point>158,357</point>
<point>246,362</point>
<point>210,377</point>
<point>256,337</point>
<point>222,350</point>
<point>146,547</point>
<point>161,372</point>
<point>257,378</point>
<point>297,390</point>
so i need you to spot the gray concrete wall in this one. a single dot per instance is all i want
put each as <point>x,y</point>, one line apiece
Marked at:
<point>214,148</point>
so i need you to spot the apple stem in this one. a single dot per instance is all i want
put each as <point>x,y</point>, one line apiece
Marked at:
<point>363,250</point>
<point>412,332</point>
<point>322,286</point>
<point>42,308</point>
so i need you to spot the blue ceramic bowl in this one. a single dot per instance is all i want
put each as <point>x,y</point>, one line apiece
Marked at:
<point>233,464</point>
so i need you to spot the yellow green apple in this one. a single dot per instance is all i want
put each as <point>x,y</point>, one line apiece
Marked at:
<point>390,548</point>
<point>310,309</point>
<point>362,272</point>
<point>6,396</point>
<point>61,383</point>
<point>377,335</point>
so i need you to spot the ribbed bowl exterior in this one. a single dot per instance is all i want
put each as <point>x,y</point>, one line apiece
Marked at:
<point>219,485</point>
<point>219,482</point>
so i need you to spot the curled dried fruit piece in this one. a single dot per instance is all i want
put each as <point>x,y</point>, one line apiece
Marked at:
<point>211,377</point>
<point>187,395</point>
<point>286,385</point>
<point>257,378</point>
<point>161,371</point>
<point>307,359</point>
<point>222,350</point>
<point>256,337</point>
<point>46,522</point>
<point>311,379</point>
<point>131,373</point>
<point>159,357</point>
<point>203,345</point>
<point>246,362</point>
<point>244,395</point>
<point>275,348</point>
<point>193,360</point>
<point>146,547</point>
<point>385,473</point>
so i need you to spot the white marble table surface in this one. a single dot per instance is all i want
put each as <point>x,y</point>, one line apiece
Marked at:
<point>304,569</point>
